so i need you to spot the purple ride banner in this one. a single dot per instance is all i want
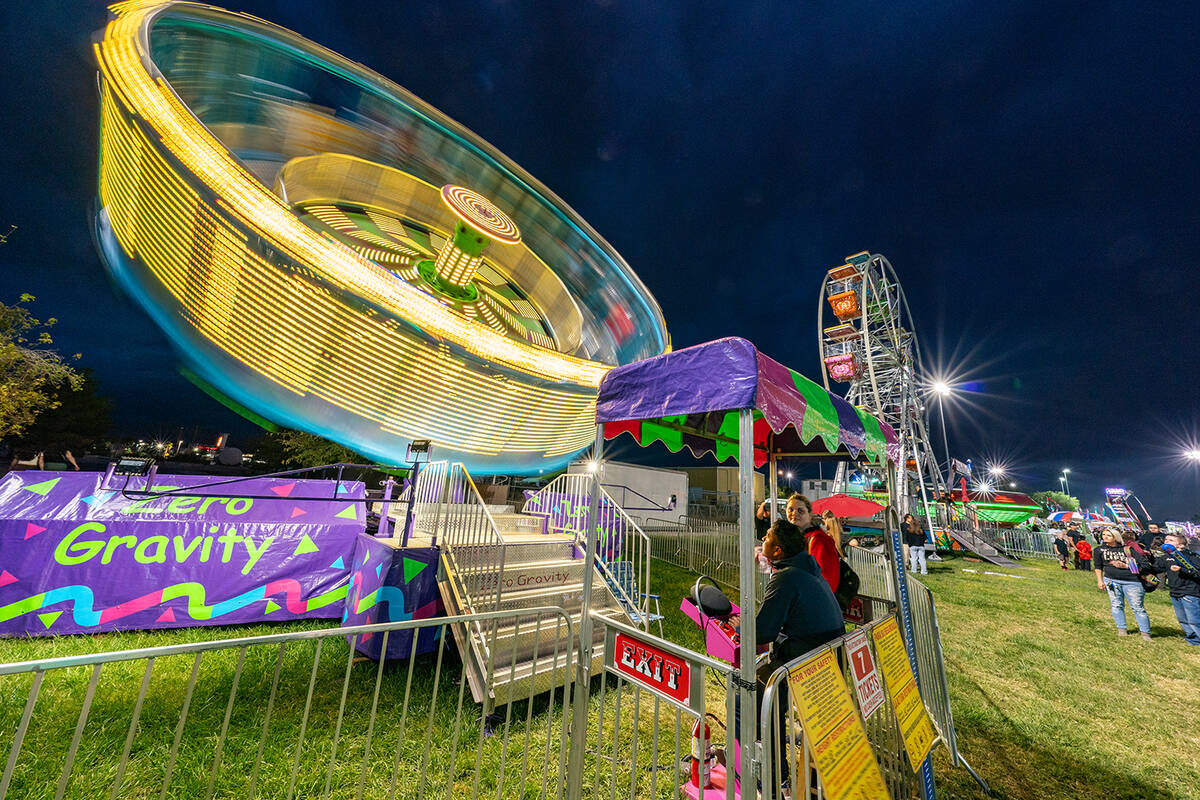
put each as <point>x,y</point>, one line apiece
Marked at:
<point>80,557</point>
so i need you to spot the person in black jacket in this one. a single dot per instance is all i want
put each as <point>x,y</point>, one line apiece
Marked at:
<point>798,611</point>
<point>1061,547</point>
<point>914,542</point>
<point>1182,569</point>
<point>1112,562</point>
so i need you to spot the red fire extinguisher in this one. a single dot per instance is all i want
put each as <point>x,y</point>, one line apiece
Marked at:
<point>701,755</point>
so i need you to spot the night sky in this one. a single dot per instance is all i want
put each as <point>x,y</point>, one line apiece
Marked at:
<point>1029,168</point>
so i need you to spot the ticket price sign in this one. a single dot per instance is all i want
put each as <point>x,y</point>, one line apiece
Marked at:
<point>866,677</point>
<point>911,716</point>
<point>835,732</point>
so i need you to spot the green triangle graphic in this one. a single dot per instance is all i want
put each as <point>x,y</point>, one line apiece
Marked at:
<point>349,512</point>
<point>413,568</point>
<point>49,617</point>
<point>43,489</point>
<point>272,606</point>
<point>306,546</point>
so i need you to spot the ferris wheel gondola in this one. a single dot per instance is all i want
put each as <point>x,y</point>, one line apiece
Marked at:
<point>869,341</point>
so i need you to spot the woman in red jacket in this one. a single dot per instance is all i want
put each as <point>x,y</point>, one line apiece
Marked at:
<point>820,544</point>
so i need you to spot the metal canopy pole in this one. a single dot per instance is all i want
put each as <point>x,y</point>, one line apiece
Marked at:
<point>745,684</point>
<point>583,665</point>
<point>774,481</point>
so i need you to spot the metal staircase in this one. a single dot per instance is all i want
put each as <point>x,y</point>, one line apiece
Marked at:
<point>494,559</point>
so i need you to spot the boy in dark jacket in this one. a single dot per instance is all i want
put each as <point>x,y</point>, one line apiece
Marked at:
<point>798,611</point>
<point>1182,569</point>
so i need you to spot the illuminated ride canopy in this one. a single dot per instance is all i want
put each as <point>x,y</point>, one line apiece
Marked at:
<point>332,254</point>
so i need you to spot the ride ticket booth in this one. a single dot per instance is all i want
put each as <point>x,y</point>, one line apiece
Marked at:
<point>728,399</point>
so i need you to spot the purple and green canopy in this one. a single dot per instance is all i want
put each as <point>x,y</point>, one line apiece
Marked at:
<point>691,398</point>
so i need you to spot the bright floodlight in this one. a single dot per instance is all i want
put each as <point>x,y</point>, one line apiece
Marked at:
<point>941,387</point>
<point>985,488</point>
<point>591,466</point>
<point>1066,471</point>
<point>996,470</point>
<point>1012,485</point>
<point>1192,455</point>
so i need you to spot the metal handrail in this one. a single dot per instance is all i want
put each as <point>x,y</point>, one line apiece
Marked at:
<point>564,502</point>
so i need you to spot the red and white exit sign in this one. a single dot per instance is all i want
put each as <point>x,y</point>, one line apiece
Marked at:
<point>866,677</point>
<point>649,665</point>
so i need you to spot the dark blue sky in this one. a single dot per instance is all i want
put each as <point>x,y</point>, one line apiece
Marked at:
<point>1029,168</point>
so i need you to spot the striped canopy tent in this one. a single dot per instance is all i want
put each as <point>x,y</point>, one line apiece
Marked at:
<point>728,399</point>
<point>692,398</point>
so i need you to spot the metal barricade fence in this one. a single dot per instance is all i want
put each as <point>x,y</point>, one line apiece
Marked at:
<point>931,668</point>
<point>710,548</point>
<point>875,579</point>
<point>282,716</point>
<point>792,759</point>
<point>638,742</point>
<point>1029,544</point>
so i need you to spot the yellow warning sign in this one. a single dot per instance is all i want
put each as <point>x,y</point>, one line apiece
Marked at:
<point>835,732</point>
<point>911,716</point>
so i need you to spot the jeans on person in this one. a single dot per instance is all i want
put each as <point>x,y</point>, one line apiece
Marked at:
<point>1135,593</point>
<point>917,555</point>
<point>1187,611</point>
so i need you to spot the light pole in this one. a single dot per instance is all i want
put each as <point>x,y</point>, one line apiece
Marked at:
<point>1067,479</point>
<point>942,390</point>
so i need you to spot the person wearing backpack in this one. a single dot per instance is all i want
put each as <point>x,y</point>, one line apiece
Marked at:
<point>848,580</point>
<point>1117,570</point>
<point>820,544</point>
<point>1182,569</point>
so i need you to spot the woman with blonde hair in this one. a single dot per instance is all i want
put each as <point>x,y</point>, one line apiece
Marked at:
<point>833,526</point>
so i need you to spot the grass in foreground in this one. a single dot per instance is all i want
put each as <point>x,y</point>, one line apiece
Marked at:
<point>1048,703</point>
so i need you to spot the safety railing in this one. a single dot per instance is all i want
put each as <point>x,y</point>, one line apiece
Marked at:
<point>622,547</point>
<point>788,768</point>
<point>284,716</point>
<point>931,668</point>
<point>1029,544</point>
<point>638,743</point>
<point>707,547</point>
<point>875,584</point>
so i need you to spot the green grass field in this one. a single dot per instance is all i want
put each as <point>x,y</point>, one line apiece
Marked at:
<point>1048,703</point>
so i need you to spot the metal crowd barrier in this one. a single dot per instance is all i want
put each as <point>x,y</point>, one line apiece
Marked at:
<point>283,716</point>
<point>931,668</point>
<point>793,756</point>
<point>638,743</point>
<point>1029,544</point>
<point>709,548</point>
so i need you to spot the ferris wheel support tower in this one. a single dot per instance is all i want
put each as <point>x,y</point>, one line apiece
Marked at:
<point>868,340</point>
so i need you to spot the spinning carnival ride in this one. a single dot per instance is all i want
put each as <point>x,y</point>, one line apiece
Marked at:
<point>871,344</point>
<point>328,252</point>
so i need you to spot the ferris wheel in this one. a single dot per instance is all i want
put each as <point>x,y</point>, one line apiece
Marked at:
<point>868,340</point>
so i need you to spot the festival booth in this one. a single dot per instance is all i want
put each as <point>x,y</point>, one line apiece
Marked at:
<point>728,399</point>
<point>85,552</point>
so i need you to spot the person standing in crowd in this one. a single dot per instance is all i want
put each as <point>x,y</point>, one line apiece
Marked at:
<point>833,526</point>
<point>762,521</point>
<point>798,611</point>
<point>1063,550</point>
<point>1083,554</point>
<point>914,540</point>
<point>1113,563</point>
<point>1146,540</point>
<point>1182,569</point>
<point>820,544</point>
<point>1073,534</point>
